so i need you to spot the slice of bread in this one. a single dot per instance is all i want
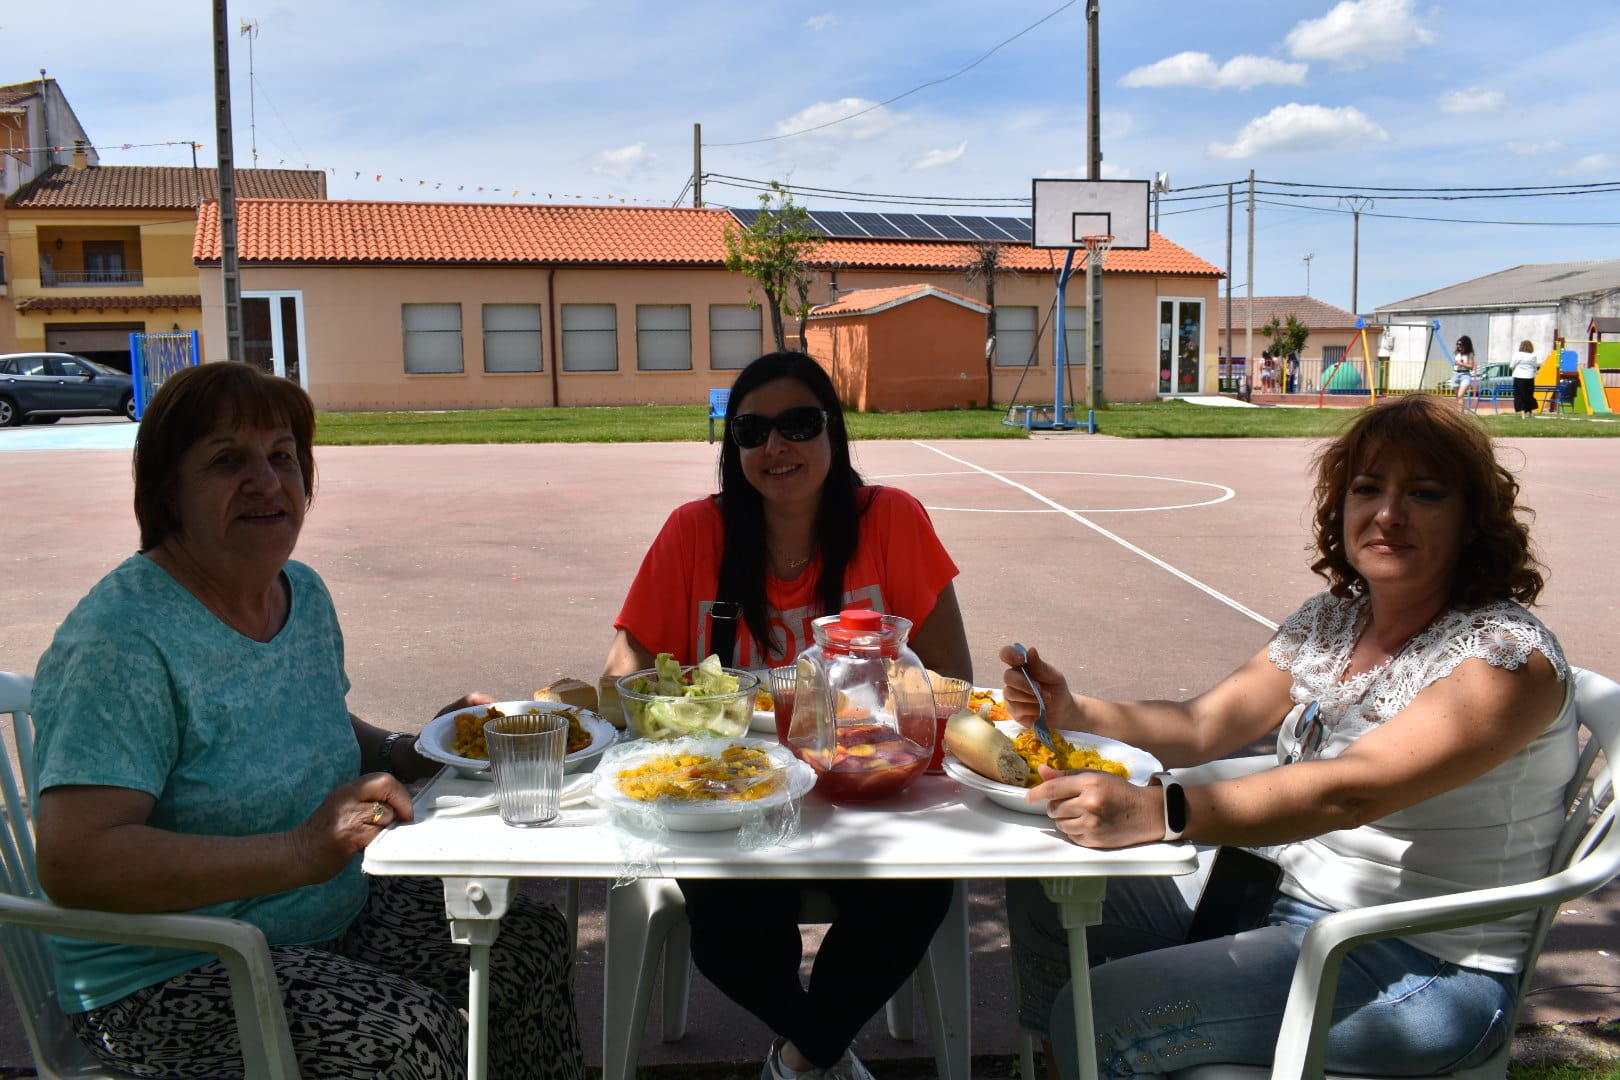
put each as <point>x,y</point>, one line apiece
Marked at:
<point>569,692</point>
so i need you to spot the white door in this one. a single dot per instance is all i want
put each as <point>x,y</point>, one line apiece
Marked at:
<point>1181,345</point>
<point>273,334</point>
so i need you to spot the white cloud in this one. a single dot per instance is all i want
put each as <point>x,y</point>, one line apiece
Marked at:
<point>872,121</point>
<point>1472,100</point>
<point>1200,69</point>
<point>1295,127</point>
<point>1356,32</point>
<point>1591,163</point>
<point>821,22</point>
<point>622,161</point>
<point>936,158</point>
<point>1535,149</point>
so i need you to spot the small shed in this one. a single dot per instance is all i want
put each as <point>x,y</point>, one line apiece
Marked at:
<point>903,348</point>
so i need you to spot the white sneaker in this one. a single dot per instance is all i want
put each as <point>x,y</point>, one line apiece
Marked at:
<point>776,1070</point>
<point>848,1067</point>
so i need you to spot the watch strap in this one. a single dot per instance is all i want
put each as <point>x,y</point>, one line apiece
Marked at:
<point>1175,805</point>
<point>385,755</point>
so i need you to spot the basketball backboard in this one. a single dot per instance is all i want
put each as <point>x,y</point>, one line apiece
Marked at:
<point>1067,211</point>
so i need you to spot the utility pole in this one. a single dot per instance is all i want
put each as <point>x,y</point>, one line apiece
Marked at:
<point>1308,256</point>
<point>1094,290</point>
<point>1248,366</point>
<point>697,166</point>
<point>1248,332</point>
<point>229,270</point>
<point>1357,204</point>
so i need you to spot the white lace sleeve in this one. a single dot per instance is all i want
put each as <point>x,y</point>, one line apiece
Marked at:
<point>1297,630</point>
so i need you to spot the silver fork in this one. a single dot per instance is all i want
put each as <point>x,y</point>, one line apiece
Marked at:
<point>1043,730</point>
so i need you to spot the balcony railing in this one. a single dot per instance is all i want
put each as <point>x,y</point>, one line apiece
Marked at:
<point>76,279</point>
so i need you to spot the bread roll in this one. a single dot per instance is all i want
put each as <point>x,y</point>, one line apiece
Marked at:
<point>979,745</point>
<point>569,692</point>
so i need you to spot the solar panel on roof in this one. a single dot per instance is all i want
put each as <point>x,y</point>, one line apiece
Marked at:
<point>1017,228</point>
<point>913,226</point>
<point>876,225</point>
<point>836,223</point>
<point>747,217</point>
<point>950,228</point>
<point>980,227</point>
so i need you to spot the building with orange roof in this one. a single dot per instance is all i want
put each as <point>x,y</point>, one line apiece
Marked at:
<point>904,347</point>
<point>1334,338</point>
<point>99,252</point>
<point>400,305</point>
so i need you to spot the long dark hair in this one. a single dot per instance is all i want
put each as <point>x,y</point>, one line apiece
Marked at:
<point>743,560</point>
<point>1496,561</point>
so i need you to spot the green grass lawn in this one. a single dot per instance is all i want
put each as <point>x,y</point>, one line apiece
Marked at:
<point>689,423</point>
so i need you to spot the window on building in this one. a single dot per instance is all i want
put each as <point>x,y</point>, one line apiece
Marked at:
<point>1074,336</point>
<point>1331,354</point>
<point>1015,336</point>
<point>735,336</point>
<point>432,339</point>
<point>590,337</point>
<point>512,337</point>
<point>663,337</point>
<point>104,261</point>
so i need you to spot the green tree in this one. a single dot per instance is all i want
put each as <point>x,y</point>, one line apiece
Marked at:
<point>774,251</point>
<point>1287,338</point>
<point>985,265</point>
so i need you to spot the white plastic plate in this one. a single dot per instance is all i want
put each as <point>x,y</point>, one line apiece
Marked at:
<point>440,733</point>
<point>1140,764</point>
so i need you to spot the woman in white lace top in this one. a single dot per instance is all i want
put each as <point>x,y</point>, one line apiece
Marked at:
<point>1424,728</point>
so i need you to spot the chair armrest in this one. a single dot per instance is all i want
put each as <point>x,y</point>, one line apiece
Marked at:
<point>1302,1044</point>
<point>255,995</point>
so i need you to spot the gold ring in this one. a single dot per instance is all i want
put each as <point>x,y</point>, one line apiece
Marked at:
<point>377,811</point>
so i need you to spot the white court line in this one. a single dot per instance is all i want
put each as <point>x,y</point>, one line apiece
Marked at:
<point>1226,495</point>
<point>1120,540</point>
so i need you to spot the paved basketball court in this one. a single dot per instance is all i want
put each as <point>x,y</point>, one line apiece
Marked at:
<point>1144,568</point>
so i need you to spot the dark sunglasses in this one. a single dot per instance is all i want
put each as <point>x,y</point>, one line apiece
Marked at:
<point>799,424</point>
<point>1309,734</point>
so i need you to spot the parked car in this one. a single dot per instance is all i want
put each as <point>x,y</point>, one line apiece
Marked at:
<point>44,387</point>
<point>1496,381</point>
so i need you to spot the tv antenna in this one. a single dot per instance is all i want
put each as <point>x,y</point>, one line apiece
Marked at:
<point>1308,256</point>
<point>250,30</point>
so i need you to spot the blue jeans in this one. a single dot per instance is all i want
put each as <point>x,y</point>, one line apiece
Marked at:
<point>1160,1005</point>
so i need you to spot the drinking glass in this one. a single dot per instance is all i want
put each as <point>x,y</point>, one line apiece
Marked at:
<point>526,755</point>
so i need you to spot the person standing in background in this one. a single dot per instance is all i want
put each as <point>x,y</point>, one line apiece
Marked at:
<point>1463,367</point>
<point>1525,368</point>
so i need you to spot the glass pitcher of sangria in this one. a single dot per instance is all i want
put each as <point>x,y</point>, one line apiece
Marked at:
<point>863,708</point>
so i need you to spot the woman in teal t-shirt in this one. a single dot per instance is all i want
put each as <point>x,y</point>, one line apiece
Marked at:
<point>195,753</point>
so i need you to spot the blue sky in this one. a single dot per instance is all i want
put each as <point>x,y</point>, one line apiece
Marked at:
<point>594,102</point>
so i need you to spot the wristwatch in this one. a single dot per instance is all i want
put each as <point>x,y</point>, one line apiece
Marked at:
<point>1175,805</point>
<point>386,753</point>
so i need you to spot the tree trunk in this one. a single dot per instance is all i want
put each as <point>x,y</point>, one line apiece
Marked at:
<point>776,323</point>
<point>990,342</point>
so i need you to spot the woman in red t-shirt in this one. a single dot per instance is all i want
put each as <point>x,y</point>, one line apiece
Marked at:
<point>795,534</point>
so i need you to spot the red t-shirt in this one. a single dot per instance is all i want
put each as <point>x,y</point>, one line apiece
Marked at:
<point>899,568</point>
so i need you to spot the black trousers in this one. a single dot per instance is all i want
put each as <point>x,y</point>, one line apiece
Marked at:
<point>1524,395</point>
<point>745,940</point>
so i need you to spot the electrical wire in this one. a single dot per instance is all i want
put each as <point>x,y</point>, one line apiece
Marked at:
<point>915,89</point>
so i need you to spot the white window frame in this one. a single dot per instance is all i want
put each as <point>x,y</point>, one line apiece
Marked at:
<point>278,330</point>
<point>432,343</point>
<point>732,348</point>
<point>1015,344</point>
<point>579,338</point>
<point>1074,331</point>
<point>663,337</point>
<point>514,349</point>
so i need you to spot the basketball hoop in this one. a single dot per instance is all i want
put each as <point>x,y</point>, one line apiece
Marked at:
<point>1097,248</point>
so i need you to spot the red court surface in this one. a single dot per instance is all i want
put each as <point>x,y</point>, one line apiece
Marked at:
<point>1143,568</point>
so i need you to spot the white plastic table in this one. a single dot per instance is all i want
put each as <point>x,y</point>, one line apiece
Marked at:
<point>935,829</point>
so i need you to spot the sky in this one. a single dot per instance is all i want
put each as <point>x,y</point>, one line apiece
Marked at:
<point>590,102</point>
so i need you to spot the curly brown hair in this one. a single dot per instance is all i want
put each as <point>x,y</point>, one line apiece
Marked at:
<point>1496,561</point>
<point>187,407</point>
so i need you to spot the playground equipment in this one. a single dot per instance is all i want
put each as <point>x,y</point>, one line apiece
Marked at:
<point>1344,377</point>
<point>154,357</point>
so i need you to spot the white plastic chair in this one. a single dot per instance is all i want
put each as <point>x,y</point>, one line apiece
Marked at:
<point>26,917</point>
<point>646,922</point>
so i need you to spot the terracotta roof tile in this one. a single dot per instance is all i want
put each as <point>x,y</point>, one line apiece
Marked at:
<point>12,94</point>
<point>1310,311</point>
<point>158,187</point>
<point>336,232</point>
<point>871,301</point>
<point>126,302</point>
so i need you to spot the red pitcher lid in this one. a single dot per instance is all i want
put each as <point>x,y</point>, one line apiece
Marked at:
<point>861,629</point>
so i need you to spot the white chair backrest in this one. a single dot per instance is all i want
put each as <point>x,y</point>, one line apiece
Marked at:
<point>28,964</point>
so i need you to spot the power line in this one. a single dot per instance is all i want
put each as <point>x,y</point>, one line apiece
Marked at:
<point>1446,220</point>
<point>908,93</point>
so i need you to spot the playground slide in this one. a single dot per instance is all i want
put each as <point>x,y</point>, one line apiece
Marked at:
<point>1592,384</point>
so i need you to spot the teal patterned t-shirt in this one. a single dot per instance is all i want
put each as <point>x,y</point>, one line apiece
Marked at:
<point>144,688</point>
